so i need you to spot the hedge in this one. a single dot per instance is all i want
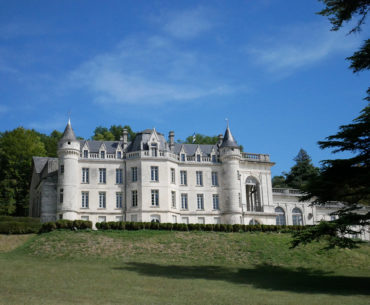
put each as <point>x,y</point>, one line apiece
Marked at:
<point>19,225</point>
<point>131,226</point>
<point>66,224</point>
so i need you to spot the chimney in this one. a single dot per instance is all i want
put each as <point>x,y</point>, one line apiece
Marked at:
<point>125,138</point>
<point>171,137</point>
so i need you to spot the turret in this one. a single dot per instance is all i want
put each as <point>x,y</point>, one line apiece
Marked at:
<point>68,175</point>
<point>230,157</point>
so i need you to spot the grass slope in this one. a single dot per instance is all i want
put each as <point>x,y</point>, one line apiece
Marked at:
<point>160,267</point>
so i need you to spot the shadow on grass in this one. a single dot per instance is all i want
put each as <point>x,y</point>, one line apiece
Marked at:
<point>262,276</point>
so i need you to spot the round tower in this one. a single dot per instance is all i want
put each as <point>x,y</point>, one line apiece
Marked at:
<point>68,175</point>
<point>230,158</point>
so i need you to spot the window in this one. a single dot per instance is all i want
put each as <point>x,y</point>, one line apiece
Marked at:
<point>174,219</point>
<point>86,153</point>
<point>198,158</point>
<point>102,175</point>
<point>133,174</point>
<point>61,196</point>
<point>183,157</point>
<point>155,218</point>
<point>201,220</point>
<point>173,180</point>
<point>183,178</point>
<point>214,160</point>
<point>119,179</point>
<point>134,198</point>
<point>102,154</point>
<point>297,217</point>
<point>332,217</point>
<point>85,200</point>
<point>199,178</point>
<point>280,217</point>
<point>184,201</point>
<point>85,218</point>
<point>216,205</point>
<point>85,175</point>
<point>62,169</point>
<point>154,149</point>
<point>173,199</point>
<point>119,155</point>
<point>185,220</point>
<point>119,200</point>
<point>253,222</point>
<point>119,218</point>
<point>200,202</point>
<point>154,173</point>
<point>214,179</point>
<point>134,218</point>
<point>102,200</point>
<point>155,198</point>
<point>102,218</point>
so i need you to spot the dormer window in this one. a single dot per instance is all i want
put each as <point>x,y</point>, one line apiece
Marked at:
<point>86,153</point>
<point>183,157</point>
<point>154,149</point>
<point>119,155</point>
<point>198,158</point>
<point>69,143</point>
<point>102,154</point>
<point>214,160</point>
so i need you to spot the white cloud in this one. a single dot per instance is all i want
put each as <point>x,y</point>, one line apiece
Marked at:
<point>298,46</point>
<point>148,71</point>
<point>187,24</point>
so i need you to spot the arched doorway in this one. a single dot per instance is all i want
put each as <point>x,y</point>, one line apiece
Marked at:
<point>252,188</point>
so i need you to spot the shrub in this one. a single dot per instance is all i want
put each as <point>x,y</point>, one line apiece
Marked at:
<point>14,227</point>
<point>48,227</point>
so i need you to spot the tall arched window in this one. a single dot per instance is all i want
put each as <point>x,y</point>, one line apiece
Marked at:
<point>280,217</point>
<point>297,217</point>
<point>252,188</point>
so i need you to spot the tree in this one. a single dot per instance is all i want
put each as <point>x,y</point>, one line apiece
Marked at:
<point>17,147</point>
<point>345,180</point>
<point>51,142</point>
<point>202,139</point>
<point>114,133</point>
<point>300,173</point>
<point>279,181</point>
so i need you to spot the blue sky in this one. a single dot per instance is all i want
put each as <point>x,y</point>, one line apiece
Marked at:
<point>273,67</point>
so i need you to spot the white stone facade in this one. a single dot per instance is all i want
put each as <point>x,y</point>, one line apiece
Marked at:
<point>144,180</point>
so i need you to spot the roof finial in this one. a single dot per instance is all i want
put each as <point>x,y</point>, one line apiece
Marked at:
<point>69,117</point>
<point>227,122</point>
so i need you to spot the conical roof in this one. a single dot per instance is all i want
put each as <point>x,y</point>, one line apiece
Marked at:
<point>228,140</point>
<point>68,134</point>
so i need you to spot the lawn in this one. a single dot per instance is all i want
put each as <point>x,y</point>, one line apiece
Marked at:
<point>161,267</point>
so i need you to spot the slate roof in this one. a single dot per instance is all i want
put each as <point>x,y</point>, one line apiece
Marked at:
<point>190,149</point>
<point>68,134</point>
<point>40,163</point>
<point>228,140</point>
<point>94,146</point>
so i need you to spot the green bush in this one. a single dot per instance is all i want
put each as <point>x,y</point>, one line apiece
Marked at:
<point>48,227</point>
<point>13,227</point>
